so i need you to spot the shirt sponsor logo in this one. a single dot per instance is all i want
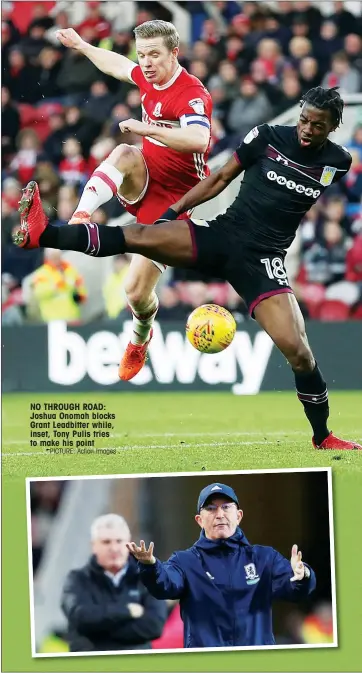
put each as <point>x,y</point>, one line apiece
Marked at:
<point>293,186</point>
<point>251,574</point>
<point>197,105</point>
<point>327,175</point>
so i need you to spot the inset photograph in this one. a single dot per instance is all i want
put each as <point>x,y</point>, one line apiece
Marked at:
<point>191,561</point>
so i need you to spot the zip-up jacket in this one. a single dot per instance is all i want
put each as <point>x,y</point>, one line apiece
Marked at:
<point>226,589</point>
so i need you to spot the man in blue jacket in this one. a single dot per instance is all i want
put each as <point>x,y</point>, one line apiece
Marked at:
<point>225,585</point>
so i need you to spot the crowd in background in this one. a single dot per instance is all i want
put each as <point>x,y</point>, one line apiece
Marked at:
<point>60,119</point>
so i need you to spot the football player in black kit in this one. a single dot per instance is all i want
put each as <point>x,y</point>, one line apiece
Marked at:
<point>287,168</point>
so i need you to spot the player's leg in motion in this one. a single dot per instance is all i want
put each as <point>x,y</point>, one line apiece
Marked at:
<point>140,284</point>
<point>125,172</point>
<point>281,317</point>
<point>168,243</point>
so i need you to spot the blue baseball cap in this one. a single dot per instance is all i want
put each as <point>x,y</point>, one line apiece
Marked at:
<point>215,490</point>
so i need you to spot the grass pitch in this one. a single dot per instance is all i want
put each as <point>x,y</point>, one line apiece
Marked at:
<point>173,432</point>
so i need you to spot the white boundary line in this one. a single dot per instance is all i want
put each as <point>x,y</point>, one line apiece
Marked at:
<point>174,475</point>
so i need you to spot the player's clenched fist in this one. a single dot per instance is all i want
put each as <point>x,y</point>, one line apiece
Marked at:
<point>141,553</point>
<point>70,38</point>
<point>134,126</point>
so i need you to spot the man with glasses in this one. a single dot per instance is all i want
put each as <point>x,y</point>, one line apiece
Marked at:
<point>225,585</point>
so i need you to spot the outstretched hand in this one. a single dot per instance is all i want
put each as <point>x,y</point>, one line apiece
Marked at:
<point>70,38</point>
<point>297,564</point>
<point>141,553</point>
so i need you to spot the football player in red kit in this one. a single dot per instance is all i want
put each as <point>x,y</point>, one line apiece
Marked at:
<point>175,127</point>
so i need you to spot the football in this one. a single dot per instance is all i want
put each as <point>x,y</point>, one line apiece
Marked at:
<point>210,328</point>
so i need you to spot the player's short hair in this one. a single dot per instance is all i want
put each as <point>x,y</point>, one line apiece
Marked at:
<point>110,522</point>
<point>325,99</point>
<point>158,28</point>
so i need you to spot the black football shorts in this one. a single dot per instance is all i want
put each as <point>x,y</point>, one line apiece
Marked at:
<point>254,274</point>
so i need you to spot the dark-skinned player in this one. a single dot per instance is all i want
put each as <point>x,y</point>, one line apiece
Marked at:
<point>287,168</point>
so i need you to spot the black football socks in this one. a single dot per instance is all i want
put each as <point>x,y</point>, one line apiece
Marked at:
<point>313,394</point>
<point>93,239</point>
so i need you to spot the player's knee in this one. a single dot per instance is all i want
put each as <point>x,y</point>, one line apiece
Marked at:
<point>123,157</point>
<point>300,356</point>
<point>137,291</point>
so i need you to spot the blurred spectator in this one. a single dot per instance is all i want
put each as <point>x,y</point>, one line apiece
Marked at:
<point>67,201</point>
<point>21,78</point>
<point>123,616</point>
<point>49,66</point>
<point>81,127</point>
<point>342,74</point>
<point>228,79</point>
<point>345,21</point>
<point>335,212</point>
<point>49,183</point>
<point>269,54</point>
<point>10,122</point>
<point>99,103</point>
<point>250,108</point>
<point>309,73</point>
<point>310,13</point>
<point>353,49</point>
<point>77,74</point>
<point>133,101</point>
<point>94,22</point>
<point>52,146</point>
<point>291,94</point>
<point>58,288</point>
<point>299,48</point>
<point>300,26</point>
<point>45,497</point>
<point>328,43</point>
<point>113,289</point>
<point>11,301</point>
<point>11,194</point>
<point>35,40</point>
<point>325,261</point>
<point>356,141</point>
<point>318,626</point>
<point>354,262</point>
<point>73,167</point>
<point>351,184</point>
<point>24,162</point>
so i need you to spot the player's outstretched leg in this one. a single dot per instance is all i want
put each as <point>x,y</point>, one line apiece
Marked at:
<point>169,243</point>
<point>281,318</point>
<point>140,283</point>
<point>123,171</point>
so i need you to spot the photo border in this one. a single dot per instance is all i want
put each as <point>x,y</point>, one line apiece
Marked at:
<point>52,655</point>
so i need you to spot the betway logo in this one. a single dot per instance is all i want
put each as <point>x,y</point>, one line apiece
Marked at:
<point>290,184</point>
<point>171,358</point>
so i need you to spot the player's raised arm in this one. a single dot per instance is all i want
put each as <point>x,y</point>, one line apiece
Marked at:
<point>209,188</point>
<point>116,65</point>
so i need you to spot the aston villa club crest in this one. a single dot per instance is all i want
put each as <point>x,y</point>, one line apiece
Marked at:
<point>327,175</point>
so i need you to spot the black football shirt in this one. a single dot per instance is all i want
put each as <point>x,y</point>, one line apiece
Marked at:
<point>282,180</point>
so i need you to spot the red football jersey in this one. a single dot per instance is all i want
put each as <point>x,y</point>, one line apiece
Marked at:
<point>179,103</point>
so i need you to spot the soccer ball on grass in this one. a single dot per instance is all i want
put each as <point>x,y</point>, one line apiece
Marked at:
<point>210,328</point>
